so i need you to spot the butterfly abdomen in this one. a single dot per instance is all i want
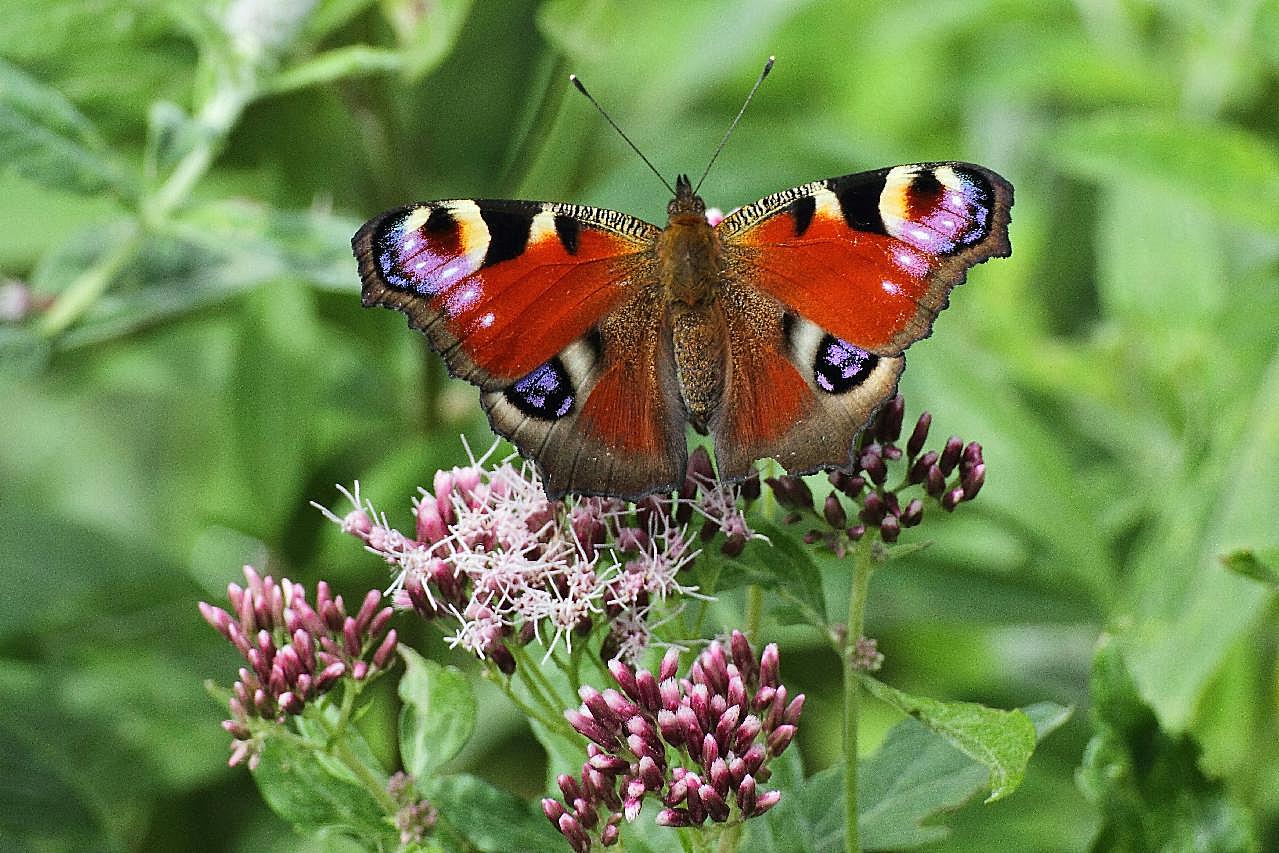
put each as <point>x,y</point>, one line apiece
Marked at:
<point>690,264</point>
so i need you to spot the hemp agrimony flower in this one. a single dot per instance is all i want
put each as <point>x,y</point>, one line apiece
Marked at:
<point>699,745</point>
<point>491,555</point>
<point>296,652</point>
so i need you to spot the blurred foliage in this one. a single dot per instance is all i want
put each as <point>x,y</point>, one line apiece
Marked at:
<point>183,363</point>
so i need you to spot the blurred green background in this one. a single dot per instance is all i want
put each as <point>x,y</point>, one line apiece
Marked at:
<point>184,363</point>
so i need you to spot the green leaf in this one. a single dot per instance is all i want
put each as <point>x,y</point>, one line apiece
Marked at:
<point>438,715</point>
<point>1002,741</point>
<point>45,138</point>
<point>300,789</point>
<point>490,818</point>
<point>914,777</point>
<point>1182,636</point>
<point>426,32</point>
<point>781,565</point>
<point>1225,169</point>
<point>1147,782</point>
<point>273,382</point>
<point>1261,564</point>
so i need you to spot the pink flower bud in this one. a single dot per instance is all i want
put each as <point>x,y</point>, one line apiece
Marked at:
<point>329,676</point>
<point>357,523</point>
<point>766,801</point>
<point>720,778</point>
<point>216,617</point>
<point>650,774</point>
<point>386,651</point>
<point>674,818</point>
<point>669,690</point>
<point>669,666</point>
<point>672,731</point>
<point>746,733</point>
<point>768,666</point>
<point>648,694</point>
<point>594,702</point>
<point>625,678</point>
<point>351,637</point>
<point>430,524</point>
<point>552,809</point>
<point>710,750</point>
<point>687,719</point>
<point>727,725</point>
<point>714,803</point>
<point>791,715</point>
<point>780,739</point>
<point>747,798</point>
<point>588,727</point>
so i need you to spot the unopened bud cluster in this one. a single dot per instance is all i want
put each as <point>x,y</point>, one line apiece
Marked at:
<point>416,817</point>
<point>296,652</point>
<point>699,745</point>
<point>881,475</point>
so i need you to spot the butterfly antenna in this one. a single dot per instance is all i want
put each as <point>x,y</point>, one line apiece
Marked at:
<point>578,83</point>
<point>768,66</point>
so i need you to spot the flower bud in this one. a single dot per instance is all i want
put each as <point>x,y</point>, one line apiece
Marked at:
<point>950,454</point>
<point>833,511</point>
<point>888,423</point>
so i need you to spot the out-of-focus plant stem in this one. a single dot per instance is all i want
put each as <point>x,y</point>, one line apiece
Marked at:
<point>863,564</point>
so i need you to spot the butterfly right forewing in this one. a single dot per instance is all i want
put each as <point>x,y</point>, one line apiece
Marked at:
<point>550,310</point>
<point>827,284</point>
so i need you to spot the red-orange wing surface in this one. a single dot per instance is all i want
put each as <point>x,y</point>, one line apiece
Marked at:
<point>551,309</point>
<point>827,285</point>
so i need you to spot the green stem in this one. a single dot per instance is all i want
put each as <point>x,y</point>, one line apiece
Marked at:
<point>342,752</point>
<point>87,287</point>
<point>730,837</point>
<point>541,689</point>
<point>863,564</point>
<point>336,746</point>
<point>216,117</point>
<point>551,722</point>
<point>754,611</point>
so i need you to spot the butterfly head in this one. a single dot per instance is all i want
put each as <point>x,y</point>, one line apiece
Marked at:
<point>686,203</point>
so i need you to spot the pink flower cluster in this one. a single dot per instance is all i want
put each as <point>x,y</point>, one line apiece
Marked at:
<point>296,652</point>
<point>493,556</point>
<point>700,745</point>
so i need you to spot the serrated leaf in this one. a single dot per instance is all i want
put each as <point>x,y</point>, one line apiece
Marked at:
<point>301,790</point>
<point>1260,564</point>
<point>438,715</point>
<point>914,777</point>
<point>1002,741</point>
<point>781,565</point>
<point>1147,782</point>
<point>490,818</point>
<point>1223,168</point>
<point>426,31</point>
<point>45,138</point>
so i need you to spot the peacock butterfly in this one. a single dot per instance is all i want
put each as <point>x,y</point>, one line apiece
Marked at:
<point>594,337</point>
